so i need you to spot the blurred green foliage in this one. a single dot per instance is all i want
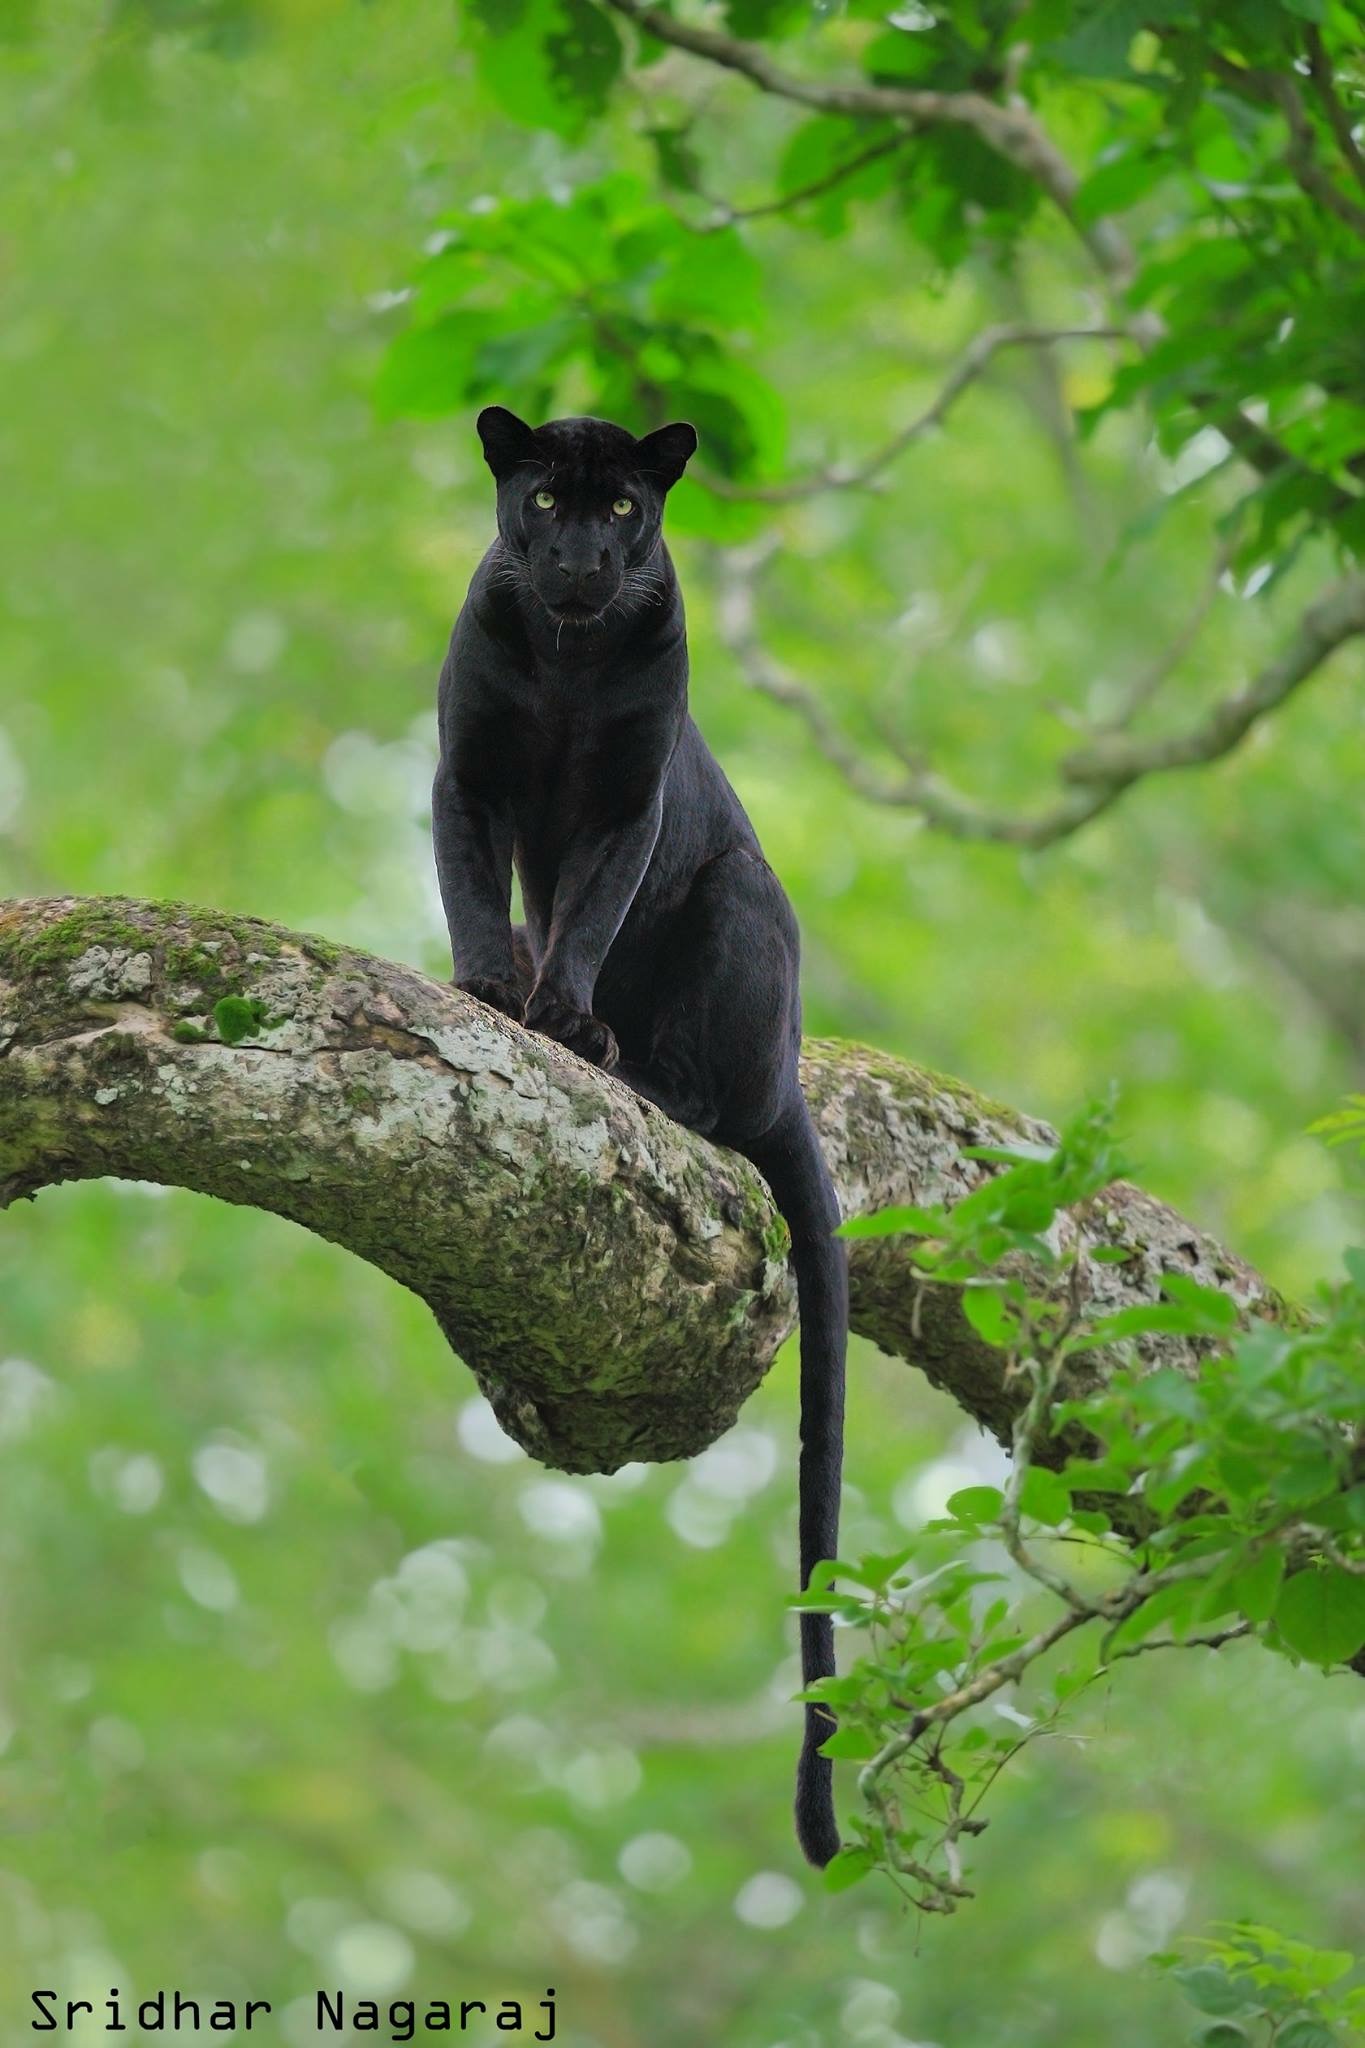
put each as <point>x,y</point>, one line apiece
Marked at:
<point>305,1676</point>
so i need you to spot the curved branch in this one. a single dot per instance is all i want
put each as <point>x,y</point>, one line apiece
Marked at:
<point>1116,762</point>
<point>617,1285</point>
<point>1099,774</point>
<point>973,362</point>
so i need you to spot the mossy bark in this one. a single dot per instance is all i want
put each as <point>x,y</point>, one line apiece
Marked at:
<point>617,1286</point>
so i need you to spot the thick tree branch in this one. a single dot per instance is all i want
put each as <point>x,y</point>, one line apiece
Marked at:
<point>617,1285</point>
<point>1099,773</point>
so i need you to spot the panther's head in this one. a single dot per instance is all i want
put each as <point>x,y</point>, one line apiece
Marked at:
<point>580,507</point>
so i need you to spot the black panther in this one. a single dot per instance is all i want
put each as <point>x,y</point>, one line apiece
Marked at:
<point>658,943</point>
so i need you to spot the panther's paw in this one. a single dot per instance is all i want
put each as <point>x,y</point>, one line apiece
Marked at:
<point>499,995</point>
<point>586,1035</point>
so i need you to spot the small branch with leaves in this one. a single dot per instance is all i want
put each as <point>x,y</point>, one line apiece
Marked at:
<point>1194,1515</point>
<point>1014,132</point>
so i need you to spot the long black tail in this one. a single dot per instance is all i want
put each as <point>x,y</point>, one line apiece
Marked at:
<point>788,1156</point>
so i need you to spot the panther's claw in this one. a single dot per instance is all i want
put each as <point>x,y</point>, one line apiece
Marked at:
<point>582,1033</point>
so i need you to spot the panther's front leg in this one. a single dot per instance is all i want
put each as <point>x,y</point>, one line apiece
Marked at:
<point>598,878</point>
<point>473,839</point>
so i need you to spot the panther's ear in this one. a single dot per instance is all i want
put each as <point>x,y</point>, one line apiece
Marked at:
<point>507,440</point>
<point>664,453</point>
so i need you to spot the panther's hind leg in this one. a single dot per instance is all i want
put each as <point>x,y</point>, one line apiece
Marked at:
<point>724,1016</point>
<point>672,1092</point>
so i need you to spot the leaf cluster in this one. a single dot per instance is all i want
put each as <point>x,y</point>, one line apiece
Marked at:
<point>1209,1486</point>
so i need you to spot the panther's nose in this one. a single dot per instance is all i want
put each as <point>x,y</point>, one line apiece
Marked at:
<point>580,571</point>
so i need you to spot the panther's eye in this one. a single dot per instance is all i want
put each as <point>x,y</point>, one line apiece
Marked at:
<point>545,500</point>
<point>623,507</point>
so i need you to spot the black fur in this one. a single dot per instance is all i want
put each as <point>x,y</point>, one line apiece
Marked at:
<point>658,942</point>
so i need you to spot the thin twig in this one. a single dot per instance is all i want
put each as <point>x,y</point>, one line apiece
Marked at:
<point>1336,1556</point>
<point>1153,679</point>
<point>980,352</point>
<point>726,215</point>
<point>1211,1642</point>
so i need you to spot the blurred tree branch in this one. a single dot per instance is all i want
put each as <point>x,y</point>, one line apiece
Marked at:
<point>1338,120</point>
<point>1015,133</point>
<point>726,215</point>
<point>975,359</point>
<point>1157,674</point>
<point>1274,89</point>
<point>1010,130</point>
<point>616,1284</point>
<point>1099,773</point>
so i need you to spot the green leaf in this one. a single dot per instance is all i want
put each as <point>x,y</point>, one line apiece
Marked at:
<point>1209,1987</point>
<point>976,1503</point>
<point>584,52</point>
<point>679,164</point>
<point>433,368</point>
<point>1045,1496</point>
<point>853,1745</point>
<point>816,156</point>
<point>1321,1614</point>
<point>1117,184</point>
<point>848,1868</point>
<point>1222,2034</point>
<point>985,1310</point>
<point>1170,1604</point>
<point>1030,1209</point>
<point>1255,1588</point>
<point>835,1692</point>
<point>1145,1318</point>
<point>890,1222</point>
<point>1306,2034</point>
<point>550,63</point>
<point>708,278</point>
<point>1218,1310</point>
<point>1304,1476</point>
